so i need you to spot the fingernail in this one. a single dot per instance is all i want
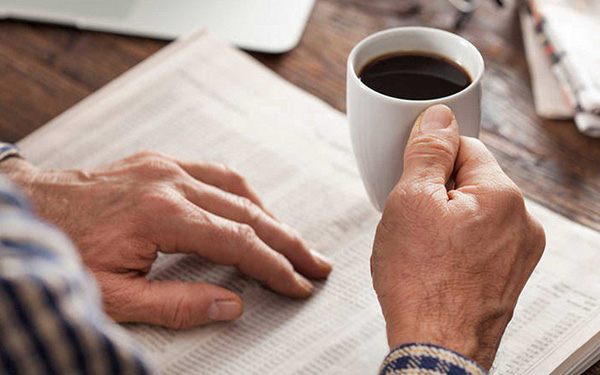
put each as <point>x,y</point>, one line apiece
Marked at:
<point>304,283</point>
<point>321,259</point>
<point>222,310</point>
<point>436,117</point>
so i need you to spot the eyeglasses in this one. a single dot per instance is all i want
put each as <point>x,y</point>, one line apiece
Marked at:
<point>466,9</point>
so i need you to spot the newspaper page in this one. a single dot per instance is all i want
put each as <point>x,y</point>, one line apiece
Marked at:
<point>559,310</point>
<point>201,99</point>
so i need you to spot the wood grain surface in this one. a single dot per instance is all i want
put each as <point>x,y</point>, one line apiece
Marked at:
<point>46,69</point>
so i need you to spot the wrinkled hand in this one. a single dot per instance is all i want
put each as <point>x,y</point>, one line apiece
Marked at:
<point>122,214</point>
<point>455,245</point>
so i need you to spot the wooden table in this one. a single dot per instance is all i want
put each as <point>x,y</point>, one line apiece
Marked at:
<point>44,70</point>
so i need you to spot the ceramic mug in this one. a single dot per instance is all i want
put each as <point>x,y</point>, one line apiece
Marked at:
<point>380,124</point>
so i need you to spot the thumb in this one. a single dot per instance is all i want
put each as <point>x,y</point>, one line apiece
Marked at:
<point>176,304</point>
<point>432,147</point>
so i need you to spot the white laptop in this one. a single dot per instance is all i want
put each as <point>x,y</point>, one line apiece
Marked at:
<point>272,26</point>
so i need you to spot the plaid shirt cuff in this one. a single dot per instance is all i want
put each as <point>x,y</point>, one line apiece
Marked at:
<point>7,150</point>
<point>425,359</point>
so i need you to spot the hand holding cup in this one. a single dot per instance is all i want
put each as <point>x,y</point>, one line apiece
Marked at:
<point>455,245</point>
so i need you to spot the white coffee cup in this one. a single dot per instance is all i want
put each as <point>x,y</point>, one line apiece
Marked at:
<point>380,124</point>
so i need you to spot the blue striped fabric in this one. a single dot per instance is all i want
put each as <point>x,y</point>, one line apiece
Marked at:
<point>50,316</point>
<point>7,150</point>
<point>430,360</point>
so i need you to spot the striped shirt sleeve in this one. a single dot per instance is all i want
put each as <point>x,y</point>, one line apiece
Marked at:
<point>51,321</point>
<point>425,359</point>
<point>8,150</point>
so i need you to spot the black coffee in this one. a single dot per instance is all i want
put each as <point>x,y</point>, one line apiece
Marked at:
<point>415,76</point>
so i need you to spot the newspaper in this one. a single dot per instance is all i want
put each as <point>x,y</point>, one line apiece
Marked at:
<point>568,31</point>
<point>202,99</point>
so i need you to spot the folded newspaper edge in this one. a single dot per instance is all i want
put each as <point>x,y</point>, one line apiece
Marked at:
<point>581,95</point>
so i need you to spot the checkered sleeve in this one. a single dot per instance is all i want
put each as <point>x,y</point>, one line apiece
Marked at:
<point>51,319</point>
<point>425,359</point>
<point>8,150</point>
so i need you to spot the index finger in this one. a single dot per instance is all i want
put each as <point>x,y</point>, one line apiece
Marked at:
<point>195,231</point>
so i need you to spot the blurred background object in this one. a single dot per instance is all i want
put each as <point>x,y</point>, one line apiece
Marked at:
<point>273,26</point>
<point>566,75</point>
<point>466,9</point>
<point>562,44</point>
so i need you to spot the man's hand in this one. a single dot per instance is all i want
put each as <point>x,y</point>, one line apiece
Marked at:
<point>122,214</point>
<point>455,245</point>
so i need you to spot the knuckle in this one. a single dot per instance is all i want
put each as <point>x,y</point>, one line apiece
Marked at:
<point>539,235</point>
<point>153,195</point>
<point>290,236</point>
<point>234,176</point>
<point>404,191</point>
<point>155,163</point>
<point>295,238</point>
<point>412,197</point>
<point>177,316</point>
<point>115,297</point>
<point>504,191</point>
<point>245,233</point>
<point>475,152</point>
<point>281,269</point>
<point>248,207</point>
<point>159,196</point>
<point>475,142</point>
<point>471,210</point>
<point>512,195</point>
<point>412,205</point>
<point>430,145</point>
<point>157,168</point>
<point>150,155</point>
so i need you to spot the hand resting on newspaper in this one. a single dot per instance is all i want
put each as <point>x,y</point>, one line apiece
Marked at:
<point>455,245</point>
<point>122,214</point>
